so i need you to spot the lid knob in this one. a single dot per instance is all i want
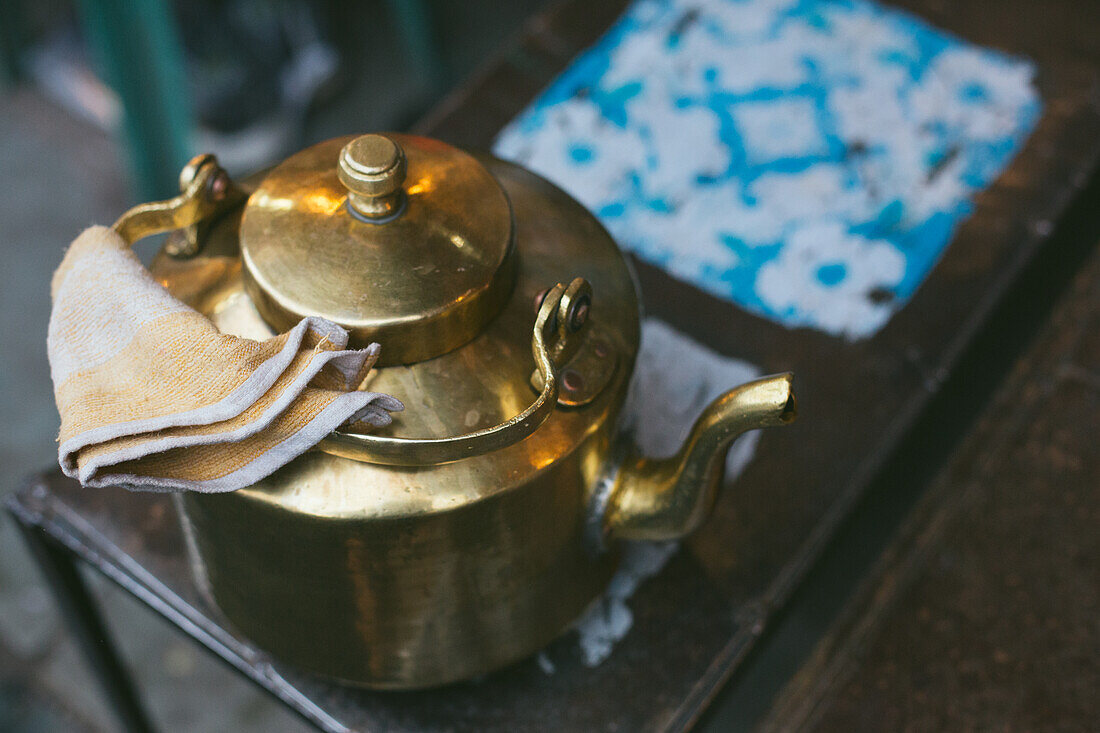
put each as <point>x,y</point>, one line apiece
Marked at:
<point>372,167</point>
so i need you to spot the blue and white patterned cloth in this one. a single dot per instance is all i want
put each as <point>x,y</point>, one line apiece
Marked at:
<point>808,160</point>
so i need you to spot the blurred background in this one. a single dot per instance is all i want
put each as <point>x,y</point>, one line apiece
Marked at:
<point>92,121</point>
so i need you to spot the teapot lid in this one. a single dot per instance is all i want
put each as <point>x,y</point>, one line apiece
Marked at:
<point>399,239</point>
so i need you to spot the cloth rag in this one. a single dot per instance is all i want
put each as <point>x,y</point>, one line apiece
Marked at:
<point>152,396</point>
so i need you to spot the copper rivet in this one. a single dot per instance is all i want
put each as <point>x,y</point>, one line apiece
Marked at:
<point>219,186</point>
<point>539,297</point>
<point>580,315</point>
<point>572,380</point>
<point>600,348</point>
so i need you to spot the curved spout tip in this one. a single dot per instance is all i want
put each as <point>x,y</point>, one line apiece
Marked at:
<point>770,398</point>
<point>660,499</point>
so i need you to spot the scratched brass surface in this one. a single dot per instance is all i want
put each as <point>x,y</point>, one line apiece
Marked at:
<point>421,282</point>
<point>405,602</point>
<point>409,577</point>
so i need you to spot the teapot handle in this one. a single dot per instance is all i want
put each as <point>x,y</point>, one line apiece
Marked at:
<point>206,191</point>
<point>554,339</point>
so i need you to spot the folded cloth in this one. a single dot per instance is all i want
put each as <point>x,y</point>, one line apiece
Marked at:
<point>152,396</point>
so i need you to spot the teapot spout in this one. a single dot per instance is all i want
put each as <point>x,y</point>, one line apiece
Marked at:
<point>668,498</point>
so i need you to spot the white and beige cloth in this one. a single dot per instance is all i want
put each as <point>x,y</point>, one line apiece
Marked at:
<point>152,396</point>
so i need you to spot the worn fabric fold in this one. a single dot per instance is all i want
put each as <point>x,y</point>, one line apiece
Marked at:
<point>152,396</point>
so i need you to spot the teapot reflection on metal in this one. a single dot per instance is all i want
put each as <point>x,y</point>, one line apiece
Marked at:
<point>480,524</point>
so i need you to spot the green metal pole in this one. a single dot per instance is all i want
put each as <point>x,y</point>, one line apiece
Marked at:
<point>136,46</point>
<point>414,23</point>
<point>11,44</point>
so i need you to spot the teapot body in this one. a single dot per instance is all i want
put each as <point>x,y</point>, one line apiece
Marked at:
<point>409,601</point>
<point>412,576</point>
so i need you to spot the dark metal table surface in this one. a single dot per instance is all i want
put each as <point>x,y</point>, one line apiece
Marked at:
<point>984,612</point>
<point>862,402</point>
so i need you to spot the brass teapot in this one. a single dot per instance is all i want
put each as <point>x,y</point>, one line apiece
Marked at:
<point>480,524</point>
